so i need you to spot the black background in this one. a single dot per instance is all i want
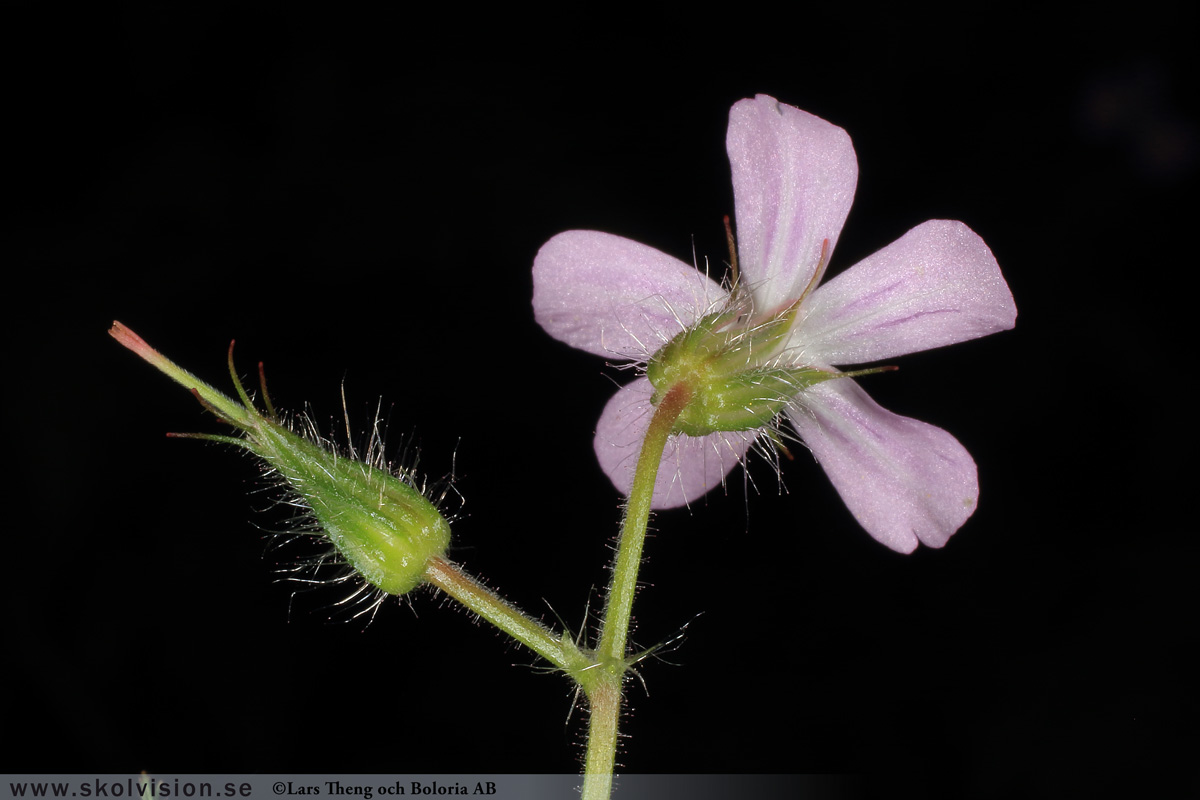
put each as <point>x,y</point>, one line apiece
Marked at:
<point>358,200</point>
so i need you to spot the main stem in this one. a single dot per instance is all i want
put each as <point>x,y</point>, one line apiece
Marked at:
<point>604,685</point>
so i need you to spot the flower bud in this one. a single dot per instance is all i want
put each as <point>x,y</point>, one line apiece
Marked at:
<point>379,522</point>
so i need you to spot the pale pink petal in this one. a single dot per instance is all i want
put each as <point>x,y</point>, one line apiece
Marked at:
<point>793,182</point>
<point>690,466</point>
<point>936,285</point>
<point>614,297</point>
<point>905,481</point>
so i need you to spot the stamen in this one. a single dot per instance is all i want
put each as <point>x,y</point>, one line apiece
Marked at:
<point>237,382</point>
<point>262,382</point>
<point>210,408</point>
<point>213,437</point>
<point>858,373</point>
<point>819,273</point>
<point>773,436</point>
<point>733,260</point>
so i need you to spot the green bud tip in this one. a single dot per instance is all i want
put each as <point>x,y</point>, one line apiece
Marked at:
<point>380,523</point>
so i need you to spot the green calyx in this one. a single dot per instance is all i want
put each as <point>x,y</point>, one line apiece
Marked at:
<point>382,525</point>
<point>384,528</point>
<point>732,366</point>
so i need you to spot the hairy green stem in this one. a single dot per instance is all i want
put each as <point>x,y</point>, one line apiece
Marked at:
<point>603,684</point>
<point>558,649</point>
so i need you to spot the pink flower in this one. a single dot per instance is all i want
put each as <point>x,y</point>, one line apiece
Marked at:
<point>794,177</point>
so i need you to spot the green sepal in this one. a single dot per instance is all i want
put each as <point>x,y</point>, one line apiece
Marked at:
<point>731,365</point>
<point>745,401</point>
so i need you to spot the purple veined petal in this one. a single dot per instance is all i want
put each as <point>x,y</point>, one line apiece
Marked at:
<point>904,481</point>
<point>615,297</point>
<point>691,466</point>
<point>793,182</point>
<point>936,285</point>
